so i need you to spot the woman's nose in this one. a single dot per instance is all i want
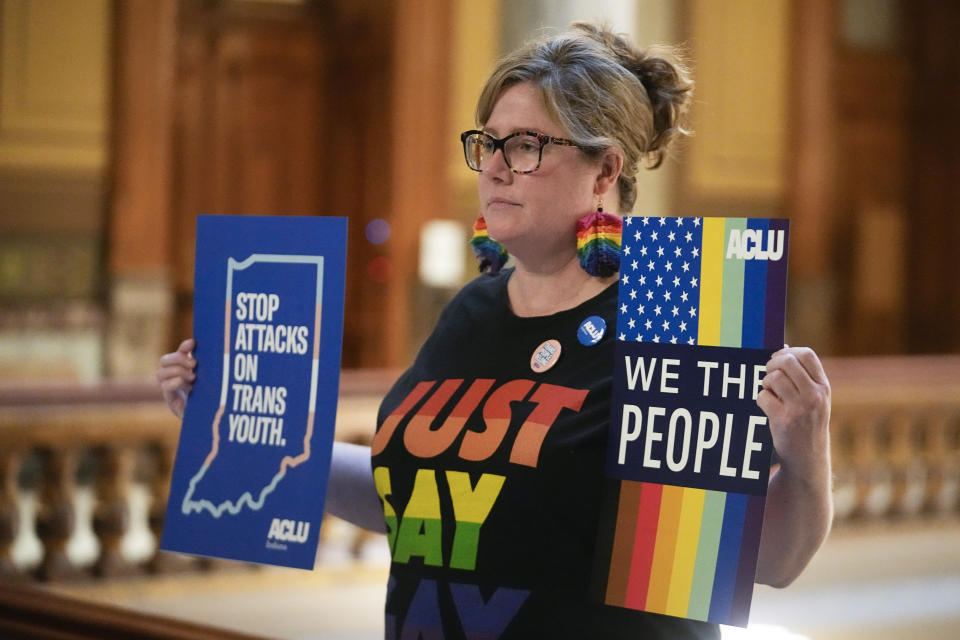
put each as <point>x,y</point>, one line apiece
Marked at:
<point>496,164</point>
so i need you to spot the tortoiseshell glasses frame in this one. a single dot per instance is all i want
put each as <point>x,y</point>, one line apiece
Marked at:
<point>522,150</point>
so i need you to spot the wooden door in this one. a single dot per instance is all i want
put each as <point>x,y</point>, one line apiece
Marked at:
<point>932,159</point>
<point>248,119</point>
<point>875,175</point>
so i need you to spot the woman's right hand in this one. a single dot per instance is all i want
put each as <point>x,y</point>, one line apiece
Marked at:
<point>176,376</point>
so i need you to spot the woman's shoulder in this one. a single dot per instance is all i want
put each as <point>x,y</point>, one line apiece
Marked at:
<point>489,284</point>
<point>471,312</point>
<point>486,292</point>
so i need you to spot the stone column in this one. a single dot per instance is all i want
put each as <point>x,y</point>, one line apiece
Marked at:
<point>139,273</point>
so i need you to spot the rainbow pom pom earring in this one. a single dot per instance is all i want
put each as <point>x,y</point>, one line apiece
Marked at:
<point>598,242</point>
<point>491,256</point>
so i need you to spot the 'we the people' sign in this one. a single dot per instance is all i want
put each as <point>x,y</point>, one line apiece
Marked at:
<point>701,308</point>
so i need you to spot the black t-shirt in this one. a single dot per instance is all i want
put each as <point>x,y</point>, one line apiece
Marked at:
<point>491,477</point>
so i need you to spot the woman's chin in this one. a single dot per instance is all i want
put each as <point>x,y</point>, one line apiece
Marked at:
<point>501,230</point>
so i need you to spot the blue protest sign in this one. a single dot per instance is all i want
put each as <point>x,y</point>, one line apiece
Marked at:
<point>251,469</point>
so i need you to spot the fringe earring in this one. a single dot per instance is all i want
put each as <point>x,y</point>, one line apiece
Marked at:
<point>598,242</point>
<point>491,256</point>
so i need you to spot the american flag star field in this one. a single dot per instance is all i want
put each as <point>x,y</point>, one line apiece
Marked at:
<point>680,282</point>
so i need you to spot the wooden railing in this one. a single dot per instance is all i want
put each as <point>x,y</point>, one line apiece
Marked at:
<point>896,437</point>
<point>56,442</point>
<point>104,445</point>
<point>895,433</point>
<point>28,612</point>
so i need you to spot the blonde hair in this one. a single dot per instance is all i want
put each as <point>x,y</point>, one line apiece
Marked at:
<point>604,91</point>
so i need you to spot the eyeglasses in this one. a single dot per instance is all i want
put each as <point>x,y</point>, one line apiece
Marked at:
<point>522,150</point>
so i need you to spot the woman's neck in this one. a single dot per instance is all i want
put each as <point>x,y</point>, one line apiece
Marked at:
<point>542,292</point>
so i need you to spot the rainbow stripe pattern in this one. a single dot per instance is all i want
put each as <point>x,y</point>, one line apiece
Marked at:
<point>684,552</point>
<point>598,243</point>
<point>704,281</point>
<point>490,253</point>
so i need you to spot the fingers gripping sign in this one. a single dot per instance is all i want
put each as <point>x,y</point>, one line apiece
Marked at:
<point>176,376</point>
<point>796,399</point>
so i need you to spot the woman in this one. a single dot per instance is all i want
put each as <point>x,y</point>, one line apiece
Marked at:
<point>487,465</point>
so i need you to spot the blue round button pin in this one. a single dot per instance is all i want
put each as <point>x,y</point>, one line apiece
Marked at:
<point>591,331</point>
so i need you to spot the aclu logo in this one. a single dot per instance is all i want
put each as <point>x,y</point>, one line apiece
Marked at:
<point>593,332</point>
<point>282,530</point>
<point>751,244</point>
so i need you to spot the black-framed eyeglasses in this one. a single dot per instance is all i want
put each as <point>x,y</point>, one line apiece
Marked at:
<point>522,150</point>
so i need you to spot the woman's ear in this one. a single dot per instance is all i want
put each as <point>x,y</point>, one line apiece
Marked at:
<point>611,164</point>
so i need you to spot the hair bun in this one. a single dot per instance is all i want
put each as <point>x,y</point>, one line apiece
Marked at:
<point>664,76</point>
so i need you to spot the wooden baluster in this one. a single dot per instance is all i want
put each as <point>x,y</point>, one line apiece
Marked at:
<point>909,475</point>
<point>10,461</point>
<point>880,474</point>
<point>111,517</point>
<point>863,462</point>
<point>936,458</point>
<point>952,465</point>
<point>56,516</point>
<point>922,475</point>
<point>948,457</point>
<point>162,454</point>
<point>323,539</point>
<point>896,456</point>
<point>844,471</point>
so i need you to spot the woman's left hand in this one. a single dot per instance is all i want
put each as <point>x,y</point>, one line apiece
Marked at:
<point>799,506</point>
<point>796,399</point>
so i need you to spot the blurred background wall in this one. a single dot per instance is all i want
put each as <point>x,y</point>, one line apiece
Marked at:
<point>121,121</point>
<point>55,119</point>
